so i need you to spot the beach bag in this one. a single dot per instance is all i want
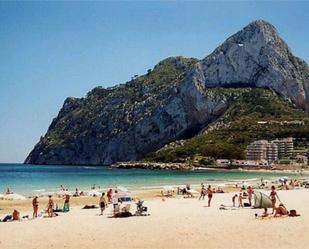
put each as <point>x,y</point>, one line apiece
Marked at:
<point>293,213</point>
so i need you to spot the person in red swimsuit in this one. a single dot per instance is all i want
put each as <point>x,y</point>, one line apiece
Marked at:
<point>273,196</point>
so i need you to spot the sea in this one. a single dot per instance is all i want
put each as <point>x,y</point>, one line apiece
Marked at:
<point>32,180</point>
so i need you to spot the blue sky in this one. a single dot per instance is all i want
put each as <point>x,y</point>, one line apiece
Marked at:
<point>52,50</point>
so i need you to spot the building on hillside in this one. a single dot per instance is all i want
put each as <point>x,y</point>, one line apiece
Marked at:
<point>285,147</point>
<point>262,150</point>
<point>250,163</point>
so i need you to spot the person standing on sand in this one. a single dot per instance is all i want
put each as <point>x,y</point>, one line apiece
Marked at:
<point>273,196</point>
<point>209,193</point>
<point>66,205</point>
<point>35,205</point>
<point>102,203</point>
<point>240,198</point>
<point>250,193</point>
<point>233,199</point>
<point>109,195</point>
<point>50,206</point>
<point>203,192</point>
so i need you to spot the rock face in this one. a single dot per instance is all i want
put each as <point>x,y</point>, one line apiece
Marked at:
<point>256,56</point>
<point>173,101</point>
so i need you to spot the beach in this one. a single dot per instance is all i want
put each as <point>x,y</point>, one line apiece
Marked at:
<point>174,222</point>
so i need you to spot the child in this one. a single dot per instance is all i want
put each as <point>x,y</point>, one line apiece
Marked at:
<point>233,199</point>
<point>240,200</point>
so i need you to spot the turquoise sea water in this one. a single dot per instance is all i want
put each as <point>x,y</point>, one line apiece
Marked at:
<point>39,179</point>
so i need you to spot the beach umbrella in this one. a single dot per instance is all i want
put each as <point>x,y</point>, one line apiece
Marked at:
<point>122,189</point>
<point>14,197</point>
<point>168,188</point>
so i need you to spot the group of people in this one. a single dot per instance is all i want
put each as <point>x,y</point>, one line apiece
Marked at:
<point>281,209</point>
<point>49,207</point>
<point>204,192</point>
<point>242,195</point>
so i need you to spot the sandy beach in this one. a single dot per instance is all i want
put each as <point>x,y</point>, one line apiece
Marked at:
<point>173,223</point>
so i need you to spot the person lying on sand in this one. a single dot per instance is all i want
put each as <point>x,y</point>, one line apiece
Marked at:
<point>281,211</point>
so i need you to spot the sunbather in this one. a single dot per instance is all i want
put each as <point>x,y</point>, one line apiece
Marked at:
<point>281,211</point>
<point>103,203</point>
<point>233,199</point>
<point>109,195</point>
<point>203,192</point>
<point>66,205</point>
<point>50,206</point>
<point>250,193</point>
<point>209,193</point>
<point>273,196</point>
<point>240,198</point>
<point>35,205</point>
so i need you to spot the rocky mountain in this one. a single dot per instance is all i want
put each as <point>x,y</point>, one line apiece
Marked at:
<point>176,100</point>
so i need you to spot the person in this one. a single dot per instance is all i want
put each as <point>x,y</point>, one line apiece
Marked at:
<point>203,192</point>
<point>209,193</point>
<point>233,199</point>
<point>16,215</point>
<point>8,191</point>
<point>250,193</point>
<point>115,200</point>
<point>109,195</point>
<point>76,192</point>
<point>103,203</point>
<point>50,206</point>
<point>66,205</point>
<point>35,205</point>
<point>240,198</point>
<point>281,211</point>
<point>273,196</point>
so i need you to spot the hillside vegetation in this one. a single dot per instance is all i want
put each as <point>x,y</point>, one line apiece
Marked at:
<point>231,133</point>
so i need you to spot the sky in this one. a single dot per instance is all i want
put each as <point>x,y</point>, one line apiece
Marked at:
<point>53,50</point>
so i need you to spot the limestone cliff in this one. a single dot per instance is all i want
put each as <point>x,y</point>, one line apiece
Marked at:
<point>173,101</point>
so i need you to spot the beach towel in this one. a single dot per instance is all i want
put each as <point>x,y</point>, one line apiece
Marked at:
<point>90,207</point>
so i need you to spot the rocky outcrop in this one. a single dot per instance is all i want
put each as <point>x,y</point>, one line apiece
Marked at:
<point>175,100</point>
<point>152,165</point>
<point>256,56</point>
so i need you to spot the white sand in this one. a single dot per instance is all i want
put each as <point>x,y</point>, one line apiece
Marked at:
<point>175,223</point>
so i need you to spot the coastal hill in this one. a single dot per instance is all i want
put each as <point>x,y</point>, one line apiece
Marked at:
<point>210,106</point>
